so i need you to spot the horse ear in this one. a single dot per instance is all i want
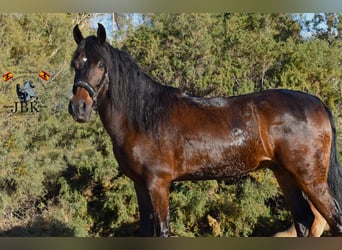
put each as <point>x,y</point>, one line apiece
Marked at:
<point>101,33</point>
<point>78,37</point>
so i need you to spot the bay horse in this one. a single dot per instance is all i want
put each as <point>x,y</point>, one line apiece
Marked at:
<point>161,135</point>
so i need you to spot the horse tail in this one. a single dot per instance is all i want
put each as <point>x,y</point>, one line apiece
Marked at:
<point>335,169</point>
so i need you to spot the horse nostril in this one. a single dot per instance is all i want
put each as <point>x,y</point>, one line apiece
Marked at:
<point>77,107</point>
<point>82,105</point>
<point>80,110</point>
<point>71,108</point>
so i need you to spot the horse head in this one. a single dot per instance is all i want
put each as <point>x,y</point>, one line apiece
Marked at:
<point>91,74</point>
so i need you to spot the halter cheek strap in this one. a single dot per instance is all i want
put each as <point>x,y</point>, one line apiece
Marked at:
<point>85,85</point>
<point>91,90</point>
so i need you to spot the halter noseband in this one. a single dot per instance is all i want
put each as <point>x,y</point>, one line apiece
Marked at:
<point>91,90</point>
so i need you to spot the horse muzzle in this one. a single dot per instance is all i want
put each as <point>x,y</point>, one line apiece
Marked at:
<point>80,110</point>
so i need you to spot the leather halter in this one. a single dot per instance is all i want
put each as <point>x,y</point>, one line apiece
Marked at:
<point>93,93</point>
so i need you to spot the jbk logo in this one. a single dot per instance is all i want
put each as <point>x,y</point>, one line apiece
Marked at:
<point>28,100</point>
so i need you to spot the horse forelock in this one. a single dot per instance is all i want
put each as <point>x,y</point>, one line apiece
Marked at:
<point>90,50</point>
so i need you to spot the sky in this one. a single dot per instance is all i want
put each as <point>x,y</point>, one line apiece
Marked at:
<point>106,20</point>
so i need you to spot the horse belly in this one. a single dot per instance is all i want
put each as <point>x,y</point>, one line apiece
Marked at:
<point>220,162</point>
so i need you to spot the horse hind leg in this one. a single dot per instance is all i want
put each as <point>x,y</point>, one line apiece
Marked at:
<point>312,180</point>
<point>319,194</point>
<point>289,232</point>
<point>298,205</point>
<point>311,177</point>
<point>318,226</point>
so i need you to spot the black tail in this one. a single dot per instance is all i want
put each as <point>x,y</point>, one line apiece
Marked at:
<point>335,169</point>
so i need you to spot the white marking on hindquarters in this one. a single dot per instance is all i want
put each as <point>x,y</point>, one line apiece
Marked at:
<point>238,137</point>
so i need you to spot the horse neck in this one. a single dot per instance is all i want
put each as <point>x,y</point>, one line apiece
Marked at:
<point>114,121</point>
<point>136,96</point>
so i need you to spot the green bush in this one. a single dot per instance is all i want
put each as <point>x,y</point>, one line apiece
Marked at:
<point>60,178</point>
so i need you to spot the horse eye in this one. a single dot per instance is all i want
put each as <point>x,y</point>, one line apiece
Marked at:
<point>101,65</point>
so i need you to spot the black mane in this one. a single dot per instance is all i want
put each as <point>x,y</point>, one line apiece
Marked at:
<point>144,101</point>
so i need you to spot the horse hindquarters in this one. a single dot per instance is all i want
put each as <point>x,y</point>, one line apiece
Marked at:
<point>305,155</point>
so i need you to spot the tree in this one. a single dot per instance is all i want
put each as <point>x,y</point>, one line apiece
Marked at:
<point>60,178</point>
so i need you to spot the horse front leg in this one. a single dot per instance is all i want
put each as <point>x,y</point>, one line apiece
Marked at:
<point>145,210</point>
<point>159,191</point>
<point>153,200</point>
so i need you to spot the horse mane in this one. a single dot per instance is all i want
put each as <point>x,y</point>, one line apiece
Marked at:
<point>145,102</point>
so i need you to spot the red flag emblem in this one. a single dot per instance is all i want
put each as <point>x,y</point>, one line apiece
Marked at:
<point>8,76</point>
<point>44,75</point>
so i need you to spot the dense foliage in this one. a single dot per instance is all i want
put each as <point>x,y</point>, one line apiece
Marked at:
<point>60,178</point>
